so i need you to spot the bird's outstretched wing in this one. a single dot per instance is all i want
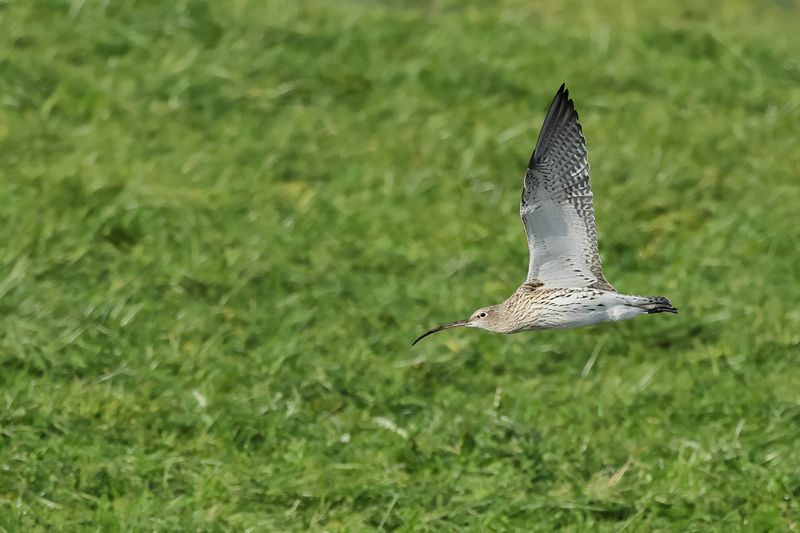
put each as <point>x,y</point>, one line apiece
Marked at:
<point>556,206</point>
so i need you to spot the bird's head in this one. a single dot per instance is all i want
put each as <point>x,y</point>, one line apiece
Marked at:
<point>484,318</point>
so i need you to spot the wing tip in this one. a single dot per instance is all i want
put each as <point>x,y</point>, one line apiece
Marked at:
<point>561,108</point>
<point>562,97</point>
<point>566,102</point>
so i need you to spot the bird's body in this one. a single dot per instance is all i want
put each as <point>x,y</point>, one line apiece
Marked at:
<point>537,307</point>
<point>565,287</point>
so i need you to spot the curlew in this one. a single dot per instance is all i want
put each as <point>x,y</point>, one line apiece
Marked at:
<point>565,287</point>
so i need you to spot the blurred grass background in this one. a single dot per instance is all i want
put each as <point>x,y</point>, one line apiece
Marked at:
<point>223,223</point>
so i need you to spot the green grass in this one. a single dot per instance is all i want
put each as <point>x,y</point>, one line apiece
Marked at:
<point>223,224</point>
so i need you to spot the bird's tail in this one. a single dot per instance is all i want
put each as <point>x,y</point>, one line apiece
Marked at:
<point>653,304</point>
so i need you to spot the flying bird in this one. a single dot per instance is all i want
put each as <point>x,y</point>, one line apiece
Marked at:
<point>565,287</point>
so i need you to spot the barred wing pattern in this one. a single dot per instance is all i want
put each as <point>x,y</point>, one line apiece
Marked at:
<point>556,205</point>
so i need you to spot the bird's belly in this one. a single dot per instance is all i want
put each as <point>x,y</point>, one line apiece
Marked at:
<point>575,311</point>
<point>576,318</point>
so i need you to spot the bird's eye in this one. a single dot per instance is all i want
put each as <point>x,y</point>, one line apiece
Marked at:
<point>482,315</point>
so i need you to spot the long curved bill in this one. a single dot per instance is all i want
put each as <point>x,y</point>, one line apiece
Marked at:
<point>440,328</point>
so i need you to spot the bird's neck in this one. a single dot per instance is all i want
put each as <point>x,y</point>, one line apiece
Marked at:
<point>518,310</point>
